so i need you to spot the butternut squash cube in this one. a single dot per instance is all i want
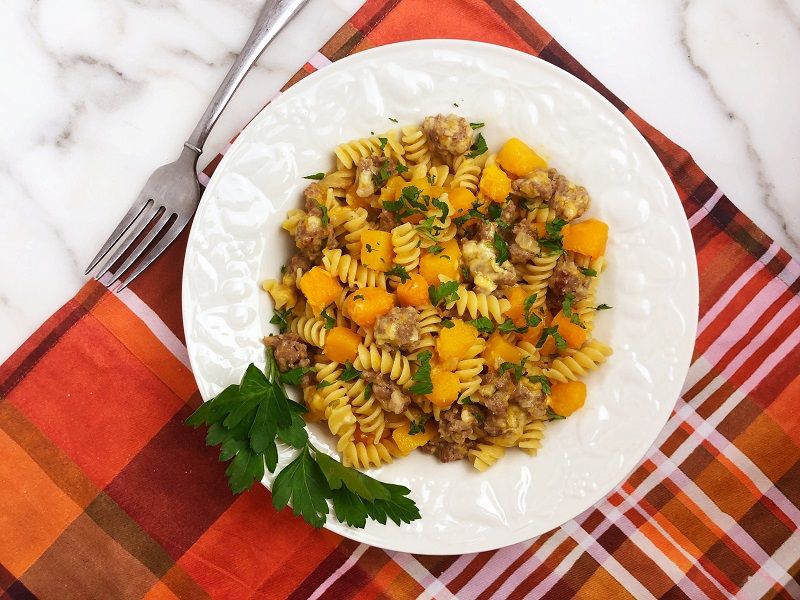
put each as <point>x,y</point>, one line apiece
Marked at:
<point>341,344</point>
<point>365,305</point>
<point>376,250</point>
<point>588,237</point>
<point>498,351</point>
<point>454,342</point>
<point>495,184</point>
<point>518,159</point>
<point>320,288</point>
<point>443,263</point>
<point>566,398</point>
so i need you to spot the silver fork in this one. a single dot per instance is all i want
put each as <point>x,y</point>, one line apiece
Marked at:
<point>172,193</point>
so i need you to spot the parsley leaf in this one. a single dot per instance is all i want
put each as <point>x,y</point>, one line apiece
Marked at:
<point>436,249</point>
<point>446,291</point>
<point>400,272</point>
<point>418,426</point>
<point>367,392</point>
<point>478,147</point>
<point>466,401</point>
<point>476,125</point>
<point>422,378</point>
<point>281,319</point>
<point>382,176</point>
<point>561,343</point>
<point>482,324</point>
<point>401,168</point>
<point>604,307</point>
<point>294,376</point>
<point>566,308</point>
<point>330,322</point>
<point>442,206</point>
<point>393,120</point>
<point>588,272</point>
<point>542,381</point>
<point>517,370</point>
<point>383,142</point>
<point>324,209</point>
<point>303,483</point>
<point>350,372</point>
<point>553,415</point>
<point>531,318</point>
<point>501,249</point>
<point>478,416</point>
<point>447,323</point>
<point>553,243</point>
<point>508,326</point>
<point>324,383</point>
<point>316,176</point>
<point>494,211</point>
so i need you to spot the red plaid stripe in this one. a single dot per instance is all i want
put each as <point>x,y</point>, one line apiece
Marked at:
<point>107,494</point>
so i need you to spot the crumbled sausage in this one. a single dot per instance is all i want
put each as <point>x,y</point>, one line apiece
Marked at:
<point>459,423</point>
<point>537,185</point>
<point>506,429</point>
<point>525,245</point>
<point>313,199</point>
<point>569,201</point>
<point>387,220</point>
<point>311,236</point>
<point>509,213</point>
<point>448,451</point>
<point>532,399</point>
<point>485,230</point>
<point>481,260</point>
<point>290,351</point>
<point>495,392</point>
<point>388,394</point>
<point>398,328</point>
<point>370,171</point>
<point>449,135</point>
<point>566,279</point>
<point>298,261</point>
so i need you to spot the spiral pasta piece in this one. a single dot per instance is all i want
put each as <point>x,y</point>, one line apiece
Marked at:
<point>480,305</point>
<point>579,363</point>
<point>532,435</point>
<point>339,180</point>
<point>385,362</point>
<point>405,243</point>
<point>363,456</point>
<point>467,174</point>
<point>415,144</point>
<point>586,309</point>
<point>355,227</point>
<point>541,214</point>
<point>293,218</point>
<point>439,174</point>
<point>484,456</point>
<point>537,275</point>
<point>349,270</point>
<point>310,329</point>
<point>468,371</point>
<point>283,295</point>
<point>370,415</point>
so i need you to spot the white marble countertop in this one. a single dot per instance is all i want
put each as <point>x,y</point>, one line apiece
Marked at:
<point>97,93</point>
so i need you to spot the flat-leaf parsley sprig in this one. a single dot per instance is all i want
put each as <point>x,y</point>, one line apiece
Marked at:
<point>247,420</point>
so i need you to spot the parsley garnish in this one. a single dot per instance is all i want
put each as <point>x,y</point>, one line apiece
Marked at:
<point>478,147</point>
<point>447,323</point>
<point>531,318</point>
<point>431,179</point>
<point>383,142</point>
<point>437,249</point>
<point>508,326</point>
<point>245,420</point>
<point>566,307</point>
<point>553,242</point>
<point>494,211</point>
<point>541,380</point>
<point>316,176</point>
<point>603,307</point>
<point>482,324</point>
<point>281,319</point>
<point>553,415</point>
<point>588,272</point>
<point>447,291</point>
<point>358,297</point>
<point>501,249</point>
<point>294,376</point>
<point>330,322</point>
<point>466,401</point>
<point>422,378</point>
<point>455,104</point>
<point>367,392</point>
<point>324,209</point>
<point>442,206</point>
<point>350,372</point>
<point>369,248</point>
<point>401,168</point>
<point>400,272</point>
<point>418,426</point>
<point>552,331</point>
<point>383,174</point>
<point>324,383</point>
<point>393,120</point>
<point>476,125</point>
<point>517,370</point>
<point>478,416</point>
<point>465,274</point>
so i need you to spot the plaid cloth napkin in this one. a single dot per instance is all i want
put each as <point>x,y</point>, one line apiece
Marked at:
<point>106,494</point>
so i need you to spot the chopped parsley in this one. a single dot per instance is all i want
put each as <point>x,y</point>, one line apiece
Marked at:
<point>315,176</point>
<point>294,376</point>
<point>588,272</point>
<point>542,381</point>
<point>383,174</point>
<point>401,168</point>
<point>466,400</point>
<point>553,415</point>
<point>603,307</point>
<point>446,291</point>
<point>531,318</point>
<point>400,272</point>
<point>553,243</point>
<point>358,297</point>
<point>393,120</point>
<point>482,324</point>
<point>369,247</point>
<point>422,378</point>
<point>383,142</point>
<point>455,104</point>
<point>281,319</point>
<point>324,209</point>
<point>476,125</point>
<point>478,416</point>
<point>501,249</point>
<point>516,370</point>
<point>324,383</point>
<point>436,249</point>
<point>367,392</point>
<point>330,322</point>
<point>431,179</point>
<point>478,147</point>
<point>566,308</point>
<point>447,323</point>
<point>494,211</point>
<point>561,343</point>
<point>350,372</point>
<point>508,326</point>
<point>418,426</point>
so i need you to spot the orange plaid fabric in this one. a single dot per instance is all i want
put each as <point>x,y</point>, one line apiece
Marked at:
<point>106,494</point>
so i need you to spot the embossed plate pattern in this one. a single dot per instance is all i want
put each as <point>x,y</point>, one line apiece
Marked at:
<point>651,281</point>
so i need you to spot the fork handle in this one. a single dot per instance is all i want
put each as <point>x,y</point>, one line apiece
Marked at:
<point>273,17</point>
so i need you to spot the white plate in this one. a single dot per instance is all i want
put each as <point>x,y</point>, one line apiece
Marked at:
<point>651,281</point>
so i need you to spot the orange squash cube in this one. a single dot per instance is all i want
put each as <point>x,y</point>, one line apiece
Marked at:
<point>498,351</point>
<point>495,184</point>
<point>446,386</point>
<point>461,200</point>
<point>518,159</point>
<point>413,292</point>
<point>444,263</point>
<point>588,237</point>
<point>407,442</point>
<point>573,334</point>
<point>566,398</point>
<point>454,342</point>
<point>341,344</point>
<point>320,288</point>
<point>376,250</point>
<point>365,305</point>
